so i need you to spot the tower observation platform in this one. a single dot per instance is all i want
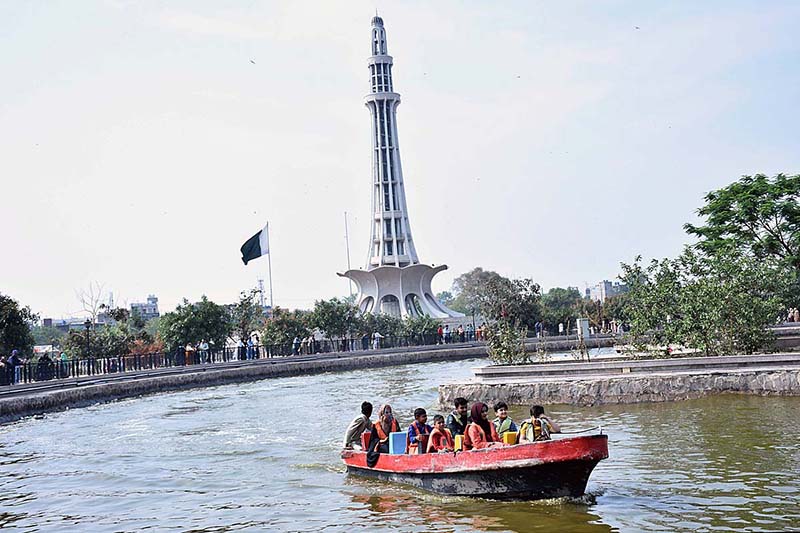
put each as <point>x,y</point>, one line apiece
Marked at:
<point>394,281</point>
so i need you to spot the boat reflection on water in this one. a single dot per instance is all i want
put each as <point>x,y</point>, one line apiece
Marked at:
<point>430,512</point>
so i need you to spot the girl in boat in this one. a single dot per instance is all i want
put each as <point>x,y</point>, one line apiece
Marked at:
<point>480,433</point>
<point>386,423</point>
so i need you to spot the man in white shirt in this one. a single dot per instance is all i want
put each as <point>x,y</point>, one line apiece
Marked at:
<point>360,424</point>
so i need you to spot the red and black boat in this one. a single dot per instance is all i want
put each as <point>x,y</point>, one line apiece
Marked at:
<point>546,469</point>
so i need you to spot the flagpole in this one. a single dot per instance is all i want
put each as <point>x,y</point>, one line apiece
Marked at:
<point>347,245</point>
<point>269,262</point>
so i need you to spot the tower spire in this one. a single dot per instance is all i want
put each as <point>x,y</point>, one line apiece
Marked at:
<point>391,243</point>
<point>394,281</point>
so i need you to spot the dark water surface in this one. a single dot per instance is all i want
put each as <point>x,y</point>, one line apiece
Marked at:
<point>264,457</point>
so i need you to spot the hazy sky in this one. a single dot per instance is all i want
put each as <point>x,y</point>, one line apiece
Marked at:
<point>141,143</point>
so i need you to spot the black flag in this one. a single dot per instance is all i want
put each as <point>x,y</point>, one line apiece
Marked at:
<point>256,246</point>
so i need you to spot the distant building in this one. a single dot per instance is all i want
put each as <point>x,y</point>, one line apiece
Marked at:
<point>147,310</point>
<point>605,289</point>
<point>65,324</point>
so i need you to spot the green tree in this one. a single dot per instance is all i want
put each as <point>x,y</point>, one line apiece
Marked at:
<point>335,318</point>
<point>386,325</point>
<point>15,326</point>
<point>47,335</point>
<point>757,215</point>
<point>719,304</point>
<point>118,314</point>
<point>511,306</point>
<point>470,288</point>
<point>284,326</point>
<point>420,326</point>
<point>516,301</point>
<point>247,315</point>
<point>616,307</point>
<point>560,305</point>
<point>446,297</point>
<point>600,314</point>
<point>126,335</point>
<point>506,343</point>
<point>151,326</point>
<point>193,322</point>
<point>495,296</point>
<point>81,344</point>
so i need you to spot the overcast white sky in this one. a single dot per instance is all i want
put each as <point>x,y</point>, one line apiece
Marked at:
<point>141,143</point>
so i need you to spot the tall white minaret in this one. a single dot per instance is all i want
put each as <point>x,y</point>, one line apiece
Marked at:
<point>394,282</point>
<point>390,242</point>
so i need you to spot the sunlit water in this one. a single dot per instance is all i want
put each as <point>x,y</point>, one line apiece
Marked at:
<point>264,457</point>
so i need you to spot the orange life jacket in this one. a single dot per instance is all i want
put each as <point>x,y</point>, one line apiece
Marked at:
<point>442,439</point>
<point>382,436</point>
<point>467,440</point>
<point>422,441</point>
<point>468,444</point>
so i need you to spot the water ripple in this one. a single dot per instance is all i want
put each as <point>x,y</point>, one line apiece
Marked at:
<point>263,456</point>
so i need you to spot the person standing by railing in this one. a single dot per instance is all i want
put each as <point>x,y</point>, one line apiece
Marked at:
<point>250,348</point>
<point>63,365</point>
<point>376,340</point>
<point>5,372</point>
<point>17,365</point>
<point>203,347</point>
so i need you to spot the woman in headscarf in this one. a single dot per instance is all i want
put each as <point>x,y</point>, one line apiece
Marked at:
<point>480,433</point>
<point>386,423</point>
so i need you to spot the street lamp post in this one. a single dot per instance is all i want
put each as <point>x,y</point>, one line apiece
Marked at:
<point>88,326</point>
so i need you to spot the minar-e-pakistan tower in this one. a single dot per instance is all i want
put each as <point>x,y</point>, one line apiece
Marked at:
<point>394,281</point>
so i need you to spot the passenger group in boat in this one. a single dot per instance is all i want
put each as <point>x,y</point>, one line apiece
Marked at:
<point>458,432</point>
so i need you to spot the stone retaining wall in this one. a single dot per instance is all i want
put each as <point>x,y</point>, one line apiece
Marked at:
<point>629,388</point>
<point>72,393</point>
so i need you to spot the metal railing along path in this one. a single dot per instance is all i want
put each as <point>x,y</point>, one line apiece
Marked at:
<point>48,370</point>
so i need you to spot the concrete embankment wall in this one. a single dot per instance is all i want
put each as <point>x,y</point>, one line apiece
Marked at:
<point>631,381</point>
<point>53,396</point>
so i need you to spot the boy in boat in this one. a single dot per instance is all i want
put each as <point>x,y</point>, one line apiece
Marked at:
<point>418,432</point>
<point>386,423</point>
<point>457,420</point>
<point>503,422</point>
<point>539,427</point>
<point>440,439</point>
<point>480,432</point>
<point>359,425</point>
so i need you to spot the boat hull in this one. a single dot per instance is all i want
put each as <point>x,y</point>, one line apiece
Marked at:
<point>548,469</point>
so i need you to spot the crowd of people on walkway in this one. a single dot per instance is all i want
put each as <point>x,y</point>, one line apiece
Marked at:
<point>444,335</point>
<point>46,367</point>
<point>463,429</point>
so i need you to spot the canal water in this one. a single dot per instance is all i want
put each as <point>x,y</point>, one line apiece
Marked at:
<point>264,457</point>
